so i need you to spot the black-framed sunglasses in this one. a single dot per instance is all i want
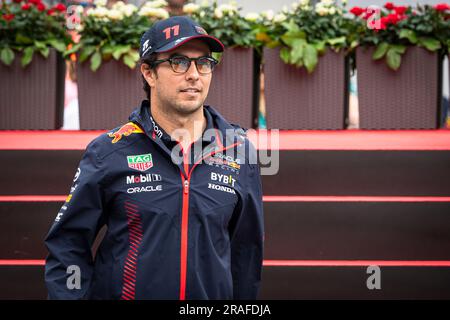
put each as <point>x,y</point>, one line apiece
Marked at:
<point>181,64</point>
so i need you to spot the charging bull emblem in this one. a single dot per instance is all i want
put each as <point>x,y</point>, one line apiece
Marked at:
<point>125,130</point>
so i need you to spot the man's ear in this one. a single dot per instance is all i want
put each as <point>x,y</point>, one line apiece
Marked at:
<point>149,74</point>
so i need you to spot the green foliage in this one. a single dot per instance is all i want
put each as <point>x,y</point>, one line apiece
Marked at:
<point>226,23</point>
<point>115,32</point>
<point>307,31</point>
<point>403,27</point>
<point>31,27</point>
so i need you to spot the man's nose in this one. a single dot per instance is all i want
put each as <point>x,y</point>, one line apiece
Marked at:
<point>192,72</point>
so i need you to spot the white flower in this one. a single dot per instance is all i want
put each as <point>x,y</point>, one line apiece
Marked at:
<point>191,8</point>
<point>99,12</point>
<point>218,13</point>
<point>100,3</point>
<point>304,2</point>
<point>118,5</point>
<point>304,5</point>
<point>205,3</point>
<point>326,7</point>
<point>227,8</point>
<point>252,17</point>
<point>280,17</point>
<point>79,9</point>
<point>115,14</point>
<point>267,14</point>
<point>155,4</point>
<point>128,9</point>
<point>202,14</point>
<point>150,12</point>
<point>285,9</point>
<point>79,27</point>
<point>163,14</point>
<point>327,2</point>
<point>321,9</point>
<point>295,5</point>
<point>161,3</point>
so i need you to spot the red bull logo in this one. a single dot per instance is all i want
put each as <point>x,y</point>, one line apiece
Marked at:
<point>125,130</point>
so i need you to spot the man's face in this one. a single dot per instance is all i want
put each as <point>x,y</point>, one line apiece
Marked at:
<point>183,93</point>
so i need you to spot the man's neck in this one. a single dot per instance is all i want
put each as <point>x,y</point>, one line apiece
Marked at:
<point>184,129</point>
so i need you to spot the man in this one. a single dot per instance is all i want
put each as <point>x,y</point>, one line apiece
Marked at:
<point>176,187</point>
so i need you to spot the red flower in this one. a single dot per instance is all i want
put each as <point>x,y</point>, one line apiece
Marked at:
<point>368,13</point>
<point>403,17</point>
<point>389,5</point>
<point>50,11</point>
<point>357,11</point>
<point>442,7</point>
<point>392,18</point>
<point>8,16</point>
<point>40,7</point>
<point>60,7</point>
<point>384,21</point>
<point>17,1</point>
<point>400,10</point>
<point>26,6</point>
<point>35,2</point>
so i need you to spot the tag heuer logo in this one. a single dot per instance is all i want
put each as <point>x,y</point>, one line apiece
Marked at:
<point>141,162</point>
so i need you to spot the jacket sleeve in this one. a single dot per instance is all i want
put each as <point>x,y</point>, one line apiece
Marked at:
<point>247,239</point>
<point>72,234</point>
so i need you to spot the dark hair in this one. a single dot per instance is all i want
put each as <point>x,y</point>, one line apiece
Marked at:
<point>149,60</point>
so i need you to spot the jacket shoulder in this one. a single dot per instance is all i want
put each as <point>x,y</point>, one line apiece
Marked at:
<point>246,150</point>
<point>115,139</point>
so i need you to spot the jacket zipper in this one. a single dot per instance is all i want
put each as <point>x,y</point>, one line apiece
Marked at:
<point>184,226</point>
<point>185,214</point>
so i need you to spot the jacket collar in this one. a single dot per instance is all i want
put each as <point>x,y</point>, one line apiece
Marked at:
<point>226,133</point>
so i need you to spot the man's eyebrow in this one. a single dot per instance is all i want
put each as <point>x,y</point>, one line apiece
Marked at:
<point>177,54</point>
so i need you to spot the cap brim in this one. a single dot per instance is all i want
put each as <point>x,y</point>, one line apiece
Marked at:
<point>214,44</point>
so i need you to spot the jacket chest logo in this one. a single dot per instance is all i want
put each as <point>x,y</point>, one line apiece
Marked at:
<point>223,161</point>
<point>125,130</point>
<point>141,162</point>
<point>226,182</point>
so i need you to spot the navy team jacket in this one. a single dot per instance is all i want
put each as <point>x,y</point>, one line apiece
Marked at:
<point>175,229</point>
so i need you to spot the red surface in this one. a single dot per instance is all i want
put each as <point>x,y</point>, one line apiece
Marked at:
<point>353,140</point>
<point>355,263</point>
<point>46,140</point>
<point>22,262</point>
<point>51,198</point>
<point>33,198</point>
<point>297,263</point>
<point>353,199</point>
<point>286,140</point>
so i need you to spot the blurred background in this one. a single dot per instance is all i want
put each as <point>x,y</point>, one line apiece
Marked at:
<point>359,112</point>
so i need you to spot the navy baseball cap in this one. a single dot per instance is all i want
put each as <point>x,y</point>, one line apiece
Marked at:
<point>168,34</point>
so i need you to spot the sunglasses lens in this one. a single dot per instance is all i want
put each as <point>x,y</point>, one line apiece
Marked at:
<point>180,64</point>
<point>205,65</point>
